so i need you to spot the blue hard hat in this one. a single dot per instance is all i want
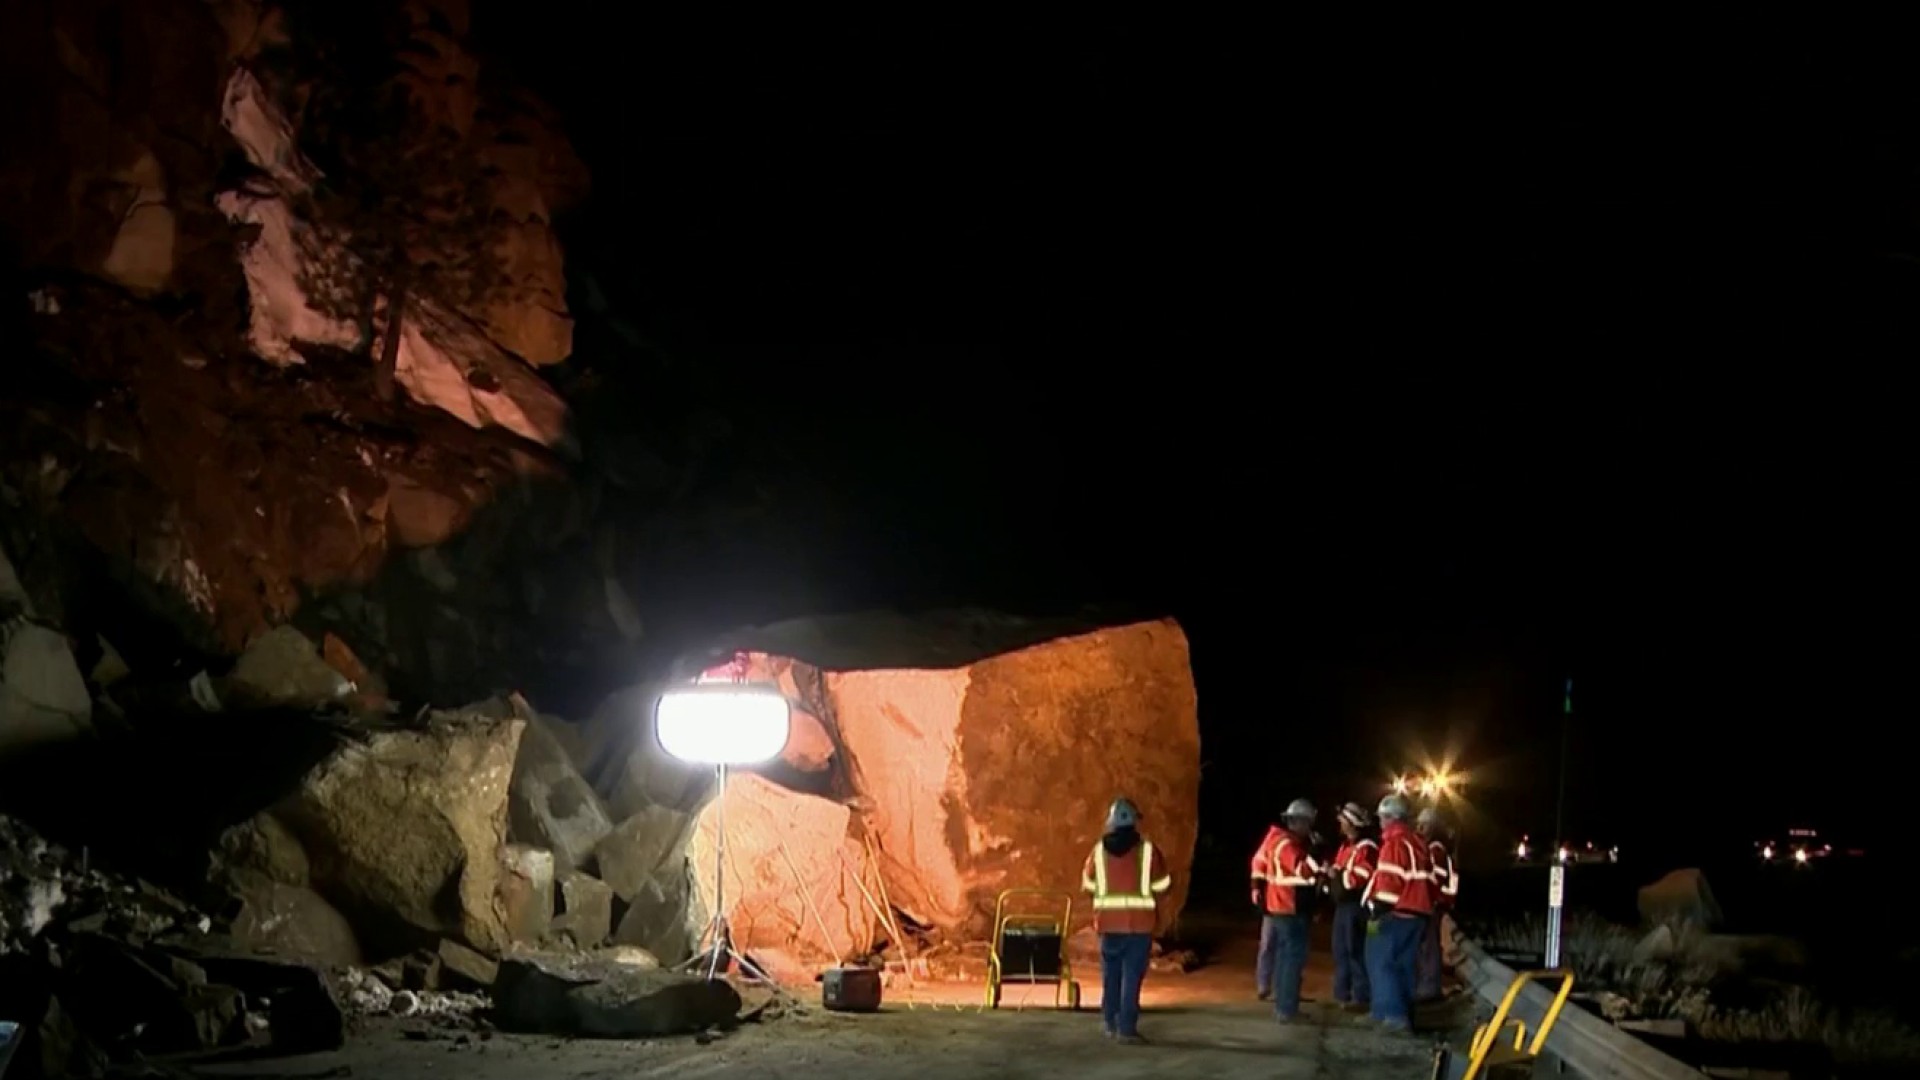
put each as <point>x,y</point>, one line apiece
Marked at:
<point>1122,814</point>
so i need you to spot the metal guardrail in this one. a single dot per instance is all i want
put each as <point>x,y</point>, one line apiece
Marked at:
<point>1589,1046</point>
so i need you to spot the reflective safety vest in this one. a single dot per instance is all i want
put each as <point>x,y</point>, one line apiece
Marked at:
<point>1354,865</point>
<point>1138,895</point>
<point>1403,875</point>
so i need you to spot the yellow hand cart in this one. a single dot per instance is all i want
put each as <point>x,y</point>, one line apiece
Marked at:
<point>1030,931</point>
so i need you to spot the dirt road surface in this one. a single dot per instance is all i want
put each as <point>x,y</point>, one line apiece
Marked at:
<point>1203,1024</point>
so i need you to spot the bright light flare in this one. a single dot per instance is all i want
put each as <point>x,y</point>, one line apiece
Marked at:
<point>723,723</point>
<point>1520,852</point>
<point>1566,854</point>
<point>1800,855</point>
<point>1767,852</point>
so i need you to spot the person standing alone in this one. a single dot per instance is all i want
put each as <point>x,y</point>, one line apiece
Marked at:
<point>1286,897</point>
<point>1127,877</point>
<point>1352,867</point>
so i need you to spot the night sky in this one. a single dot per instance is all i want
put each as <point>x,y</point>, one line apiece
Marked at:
<point>1411,378</point>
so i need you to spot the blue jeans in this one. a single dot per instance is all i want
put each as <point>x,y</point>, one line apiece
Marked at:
<point>1123,967</point>
<point>1427,963</point>
<point>1289,961</point>
<point>1350,983</point>
<point>1393,946</point>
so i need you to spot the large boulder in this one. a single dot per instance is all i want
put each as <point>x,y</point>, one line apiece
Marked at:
<point>998,774</point>
<point>403,828</point>
<point>792,870</point>
<point>283,668</point>
<point>43,698</point>
<point>585,910</point>
<point>290,921</point>
<point>600,998</point>
<point>644,861</point>
<point>549,805</point>
<point>1681,897</point>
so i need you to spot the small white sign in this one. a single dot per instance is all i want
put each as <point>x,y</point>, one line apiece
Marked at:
<point>1557,886</point>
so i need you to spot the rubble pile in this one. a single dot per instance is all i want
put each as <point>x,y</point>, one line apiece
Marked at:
<point>489,866</point>
<point>96,969</point>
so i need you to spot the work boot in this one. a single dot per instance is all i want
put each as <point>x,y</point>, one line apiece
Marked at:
<point>1263,993</point>
<point>1131,1040</point>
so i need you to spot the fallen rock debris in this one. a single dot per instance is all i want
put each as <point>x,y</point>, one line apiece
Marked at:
<point>97,969</point>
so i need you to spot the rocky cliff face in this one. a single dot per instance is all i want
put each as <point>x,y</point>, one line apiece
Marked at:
<point>185,422</point>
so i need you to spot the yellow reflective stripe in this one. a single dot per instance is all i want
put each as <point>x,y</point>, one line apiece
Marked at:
<point>1143,901</point>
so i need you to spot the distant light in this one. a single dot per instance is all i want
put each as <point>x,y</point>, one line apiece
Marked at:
<point>1565,854</point>
<point>1767,852</point>
<point>723,723</point>
<point>1521,851</point>
<point>1800,855</point>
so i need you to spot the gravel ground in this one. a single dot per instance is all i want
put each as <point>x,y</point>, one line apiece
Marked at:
<point>1203,1024</point>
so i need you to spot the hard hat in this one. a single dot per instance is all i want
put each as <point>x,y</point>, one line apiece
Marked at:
<point>1301,810</point>
<point>1429,818</point>
<point>1355,815</point>
<point>1393,808</point>
<point>1122,814</point>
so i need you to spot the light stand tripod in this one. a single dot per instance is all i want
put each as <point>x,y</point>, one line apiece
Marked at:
<point>716,941</point>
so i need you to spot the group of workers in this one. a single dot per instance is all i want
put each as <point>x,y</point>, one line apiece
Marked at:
<point>1388,892</point>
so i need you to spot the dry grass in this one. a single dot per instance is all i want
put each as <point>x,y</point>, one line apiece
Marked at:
<point>1608,958</point>
<point>1861,1038</point>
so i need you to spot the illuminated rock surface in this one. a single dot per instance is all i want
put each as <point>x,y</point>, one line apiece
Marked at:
<point>404,830</point>
<point>998,775</point>
<point>782,847</point>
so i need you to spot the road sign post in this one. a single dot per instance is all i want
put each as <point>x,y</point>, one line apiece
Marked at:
<point>1557,875</point>
<point>1556,903</point>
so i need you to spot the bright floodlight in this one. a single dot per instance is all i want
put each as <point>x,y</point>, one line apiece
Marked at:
<point>723,723</point>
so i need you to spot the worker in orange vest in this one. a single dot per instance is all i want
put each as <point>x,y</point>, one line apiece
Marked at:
<point>1352,866</point>
<point>1285,896</point>
<point>1263,958</point>
<point>1446,885</point>
<point>1399,901</point>
<point>1127,877</point>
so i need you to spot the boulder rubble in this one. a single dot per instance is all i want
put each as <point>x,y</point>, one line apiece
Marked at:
<point>97,968</point>
<point>997,775</point>
<point>458,868</point>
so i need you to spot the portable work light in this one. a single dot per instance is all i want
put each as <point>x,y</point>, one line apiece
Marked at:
<point>723,723</point>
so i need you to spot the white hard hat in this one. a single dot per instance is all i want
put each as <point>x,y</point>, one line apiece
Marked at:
<point>1301,810</point>
<point>1355,815</point>
<point>1393,808</point>
<point>1429,818</point>
<point>1122,814</point>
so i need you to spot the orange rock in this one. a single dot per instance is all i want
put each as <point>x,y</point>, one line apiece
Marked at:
<point>998,775</point>
<point>779,844</point>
